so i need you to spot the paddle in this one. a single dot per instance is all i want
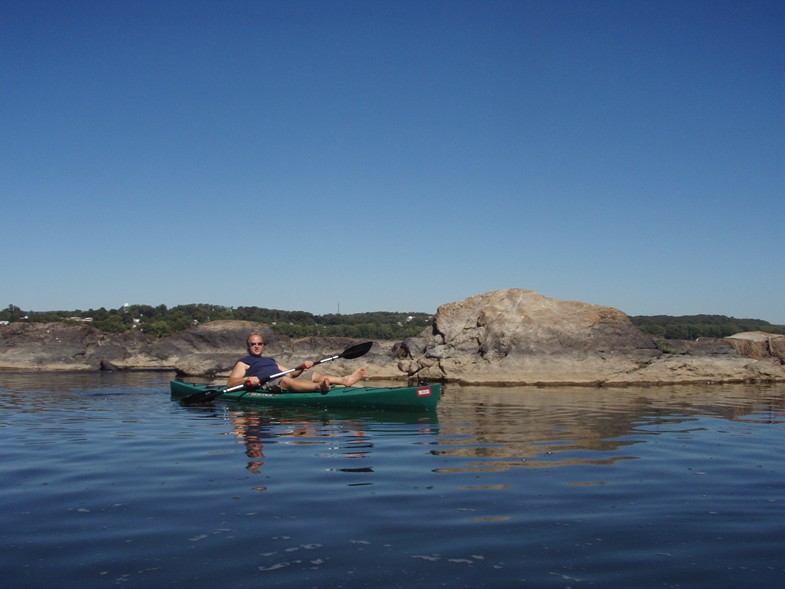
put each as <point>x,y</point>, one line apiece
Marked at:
<point>207,395</point>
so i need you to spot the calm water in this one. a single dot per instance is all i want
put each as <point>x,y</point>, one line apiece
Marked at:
<point>106,482</point>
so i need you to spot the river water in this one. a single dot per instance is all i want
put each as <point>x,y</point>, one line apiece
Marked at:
<point>107,482</point>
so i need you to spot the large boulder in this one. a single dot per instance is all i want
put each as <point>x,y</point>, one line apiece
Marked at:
<point>518,336</point>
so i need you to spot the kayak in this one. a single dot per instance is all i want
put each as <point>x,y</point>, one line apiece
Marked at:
<point>417,398</point>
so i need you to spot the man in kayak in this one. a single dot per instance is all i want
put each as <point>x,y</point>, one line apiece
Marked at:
<point>257,369</point>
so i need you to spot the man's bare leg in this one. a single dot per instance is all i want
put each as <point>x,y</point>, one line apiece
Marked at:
<point>346,381</point>
<point>297,385</point>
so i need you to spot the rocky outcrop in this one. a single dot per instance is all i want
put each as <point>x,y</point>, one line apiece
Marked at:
<point>756,344</point>
<point>503,337</point>
<point>206,350</point>
<point>60,346</point>
<point>518,336</point>
<point>212,349</point>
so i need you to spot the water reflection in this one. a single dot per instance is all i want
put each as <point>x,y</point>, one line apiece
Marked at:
<point>32,392</point>
<point>78,382</point>
<point>493,429</point>
<point>349,434</point>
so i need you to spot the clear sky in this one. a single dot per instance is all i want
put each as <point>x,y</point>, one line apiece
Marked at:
<point>393,155</point>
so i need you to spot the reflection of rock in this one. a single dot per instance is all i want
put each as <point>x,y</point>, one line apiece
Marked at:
<point>504,337</point>
<point>107,366</point>
<point>502,428</point>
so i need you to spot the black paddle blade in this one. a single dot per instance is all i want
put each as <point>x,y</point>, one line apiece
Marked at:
<point>356,350</point>
<point>201,397</point>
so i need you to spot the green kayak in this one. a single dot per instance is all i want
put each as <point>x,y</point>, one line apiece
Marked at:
<point>418,398</point>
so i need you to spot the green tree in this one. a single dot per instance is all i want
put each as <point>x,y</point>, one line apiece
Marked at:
<point>159,328</point>
<point>112,324</point>
<point>12,313</point>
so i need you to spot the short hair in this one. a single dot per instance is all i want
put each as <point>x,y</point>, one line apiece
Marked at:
<point>253,333</point>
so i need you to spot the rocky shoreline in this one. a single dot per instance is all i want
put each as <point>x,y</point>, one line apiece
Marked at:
<point>506,337</point>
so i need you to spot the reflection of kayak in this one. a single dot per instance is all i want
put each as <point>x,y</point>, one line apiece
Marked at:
<point>419,398</point>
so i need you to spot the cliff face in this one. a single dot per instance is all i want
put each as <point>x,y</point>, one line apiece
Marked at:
<point>510,336</point>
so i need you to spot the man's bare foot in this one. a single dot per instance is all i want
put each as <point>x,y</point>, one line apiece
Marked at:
<point>324,386</point>
<point>354,377</point>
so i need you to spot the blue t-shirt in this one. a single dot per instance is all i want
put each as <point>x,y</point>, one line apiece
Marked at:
<point>260,366</point>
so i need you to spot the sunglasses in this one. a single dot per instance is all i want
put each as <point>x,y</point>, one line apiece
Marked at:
<point>255,344</point>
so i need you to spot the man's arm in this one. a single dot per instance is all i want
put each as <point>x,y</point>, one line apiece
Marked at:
<point>237,376</point>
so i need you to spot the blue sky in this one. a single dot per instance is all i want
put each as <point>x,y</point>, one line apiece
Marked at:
<point>374,155</point>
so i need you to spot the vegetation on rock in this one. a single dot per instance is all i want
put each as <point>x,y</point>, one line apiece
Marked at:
<point>690,327</point>
<point>162,321</point>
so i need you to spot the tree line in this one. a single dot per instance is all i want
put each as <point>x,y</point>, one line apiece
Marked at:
<point>691,327</point>
<point>163,321</point>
